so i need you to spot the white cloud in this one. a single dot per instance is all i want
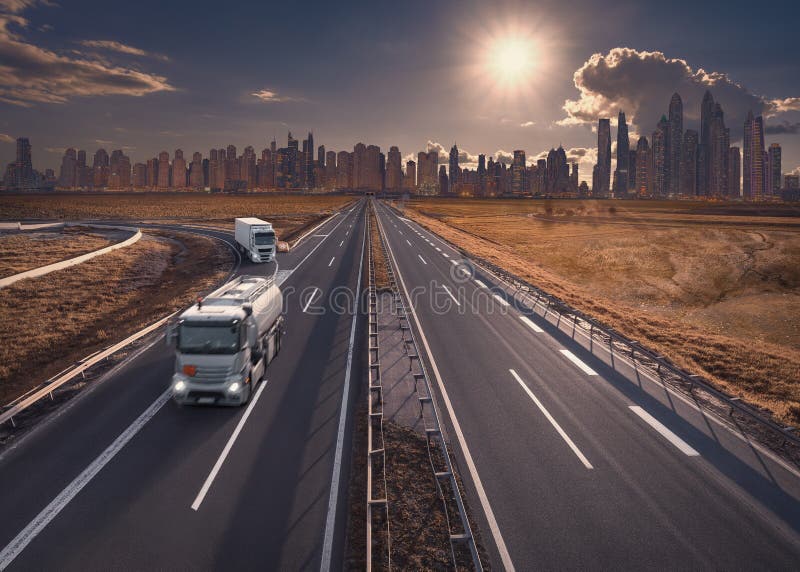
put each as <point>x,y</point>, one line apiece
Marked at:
<point>6,138</point>
<point>269,96</point>
<point>641,84</point>
<point>527,124</point>
<point>30,74</point>
<point>121,48</point>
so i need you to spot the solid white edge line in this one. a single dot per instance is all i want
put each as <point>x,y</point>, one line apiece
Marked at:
<point>481,284</point>
<point>446,289</point>
<point>681,445</point>
<point>330,521</point>
<point>574,359</point>
<point>310,298</point>
<point>423,260</point>
<point>27,534</point>
<point>553,422</point>
<point>227,449</point>
<point>500,299</point>
<point>505,557</point>
<point>331,262</point>
<point>528,322</point>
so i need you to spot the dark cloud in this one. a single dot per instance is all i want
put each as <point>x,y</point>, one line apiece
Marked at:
<point>783,128</point>
<point>30,74</point>
<point>641,84</point>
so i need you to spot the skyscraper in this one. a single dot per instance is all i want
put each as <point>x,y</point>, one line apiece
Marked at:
<point>623,157</point>
<point>688,171</point>
<point>454,171</point>
<point>163,170</point>
<point>481,175</point>
<point>518,186</point>
<point>674,141</point>
<point>602,181</point>
<point>774,170</point>
<point>720,142</point>
<point>68,174</point>
<point>704,148</point>
<point>394,170</point>
<point>196,171</point>
<point>753,161</point>
<point>659,158</point>
<point>734,172</point>
<point>179,170</point>
<point>411,175</point>
<point>642,166</point>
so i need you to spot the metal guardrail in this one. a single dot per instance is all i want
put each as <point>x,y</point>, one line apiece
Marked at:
<point>438,454</point>
<point>377,500</point>
<point>770,433</point>
<point>48,387</point>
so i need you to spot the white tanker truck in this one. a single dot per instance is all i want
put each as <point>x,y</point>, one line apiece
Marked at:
<point>224,343</point>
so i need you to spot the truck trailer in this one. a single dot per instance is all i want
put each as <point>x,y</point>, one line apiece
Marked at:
<point>224,343</point>
<point>255,238</point>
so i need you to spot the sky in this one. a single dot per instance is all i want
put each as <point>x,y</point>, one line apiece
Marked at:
<point>489,76</point>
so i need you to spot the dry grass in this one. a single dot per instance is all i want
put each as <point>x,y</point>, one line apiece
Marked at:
<point>49,322</point>
<point>27,250</point>
<point>714,287</point>
<point>378,255</point>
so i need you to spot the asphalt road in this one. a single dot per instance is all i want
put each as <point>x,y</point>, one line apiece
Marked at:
<point>573,464</point>
<point>67,504</point>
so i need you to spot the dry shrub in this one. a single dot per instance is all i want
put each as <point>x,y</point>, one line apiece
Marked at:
<point>25,251</point>
<point>51,321</point>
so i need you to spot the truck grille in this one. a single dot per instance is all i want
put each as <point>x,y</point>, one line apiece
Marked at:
<point>209,374</point>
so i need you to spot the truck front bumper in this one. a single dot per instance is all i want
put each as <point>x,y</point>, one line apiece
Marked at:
<point>186,392</point>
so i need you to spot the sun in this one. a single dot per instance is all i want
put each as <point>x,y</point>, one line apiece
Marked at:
<point>511,61</point>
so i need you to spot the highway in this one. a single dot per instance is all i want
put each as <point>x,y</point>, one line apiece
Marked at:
<point>122,478</point>
<point>571,464</point>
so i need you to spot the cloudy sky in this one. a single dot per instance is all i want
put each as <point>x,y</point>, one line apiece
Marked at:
<point>491,76</point>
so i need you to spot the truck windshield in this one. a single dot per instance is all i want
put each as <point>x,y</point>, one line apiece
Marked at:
<point>265,238</point>
<point>208,338</point>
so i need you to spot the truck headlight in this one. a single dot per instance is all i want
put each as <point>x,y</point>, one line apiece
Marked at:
<point>179,387</point>
<point>235,387</point>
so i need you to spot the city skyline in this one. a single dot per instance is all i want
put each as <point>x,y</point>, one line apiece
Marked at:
<point>415,81</point>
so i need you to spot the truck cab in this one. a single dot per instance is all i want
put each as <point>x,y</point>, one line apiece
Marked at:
<point>224,343</point>
<point>255,238</point>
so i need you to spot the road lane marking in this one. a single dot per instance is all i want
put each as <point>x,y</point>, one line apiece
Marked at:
<point>574,359</point>
<point>531,325</point>
<point>228,446</point>
<point>445,255</point>
<point>438,249</point>
<point>552,421</point>
<point>446,289</point>
<point>682,446</point>
<point>331,262</point>
<point>500,299</point>
<point>330,521</point>
<point>310,298</point>
<point>454,262</point>
<point>423,260</point>
<point>27,534</point>
<point>481,284</point>
<point>502,549</point>
<point>341,243</point>
<point>408,242</point>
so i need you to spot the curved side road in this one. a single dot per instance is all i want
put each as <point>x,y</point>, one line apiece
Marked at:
<point>42,270</point>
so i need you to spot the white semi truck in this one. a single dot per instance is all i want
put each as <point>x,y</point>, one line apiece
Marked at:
<point>255,238</point>
<point>224,343</point>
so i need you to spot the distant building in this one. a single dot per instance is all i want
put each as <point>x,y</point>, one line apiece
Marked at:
<point>754,169</point>
<point>179,170</point>
<point>688,170</point>
<point>720,143</point>
<point>791,181</point>
<point>674,145</point>
<point>443,181</point>
<point>734,172</point>
<point>410,179</point>
<point>774,169</point>
<point>623,157</point>
<point>518,172</point>
<point>196,172</point>
<point>68,175</point>
<point>642,167</point>
<point>394,170</point>
<point>704,148</point>
<point>602,177</point>
<point>454,170</point>
<point>658,164</point>
<point>163,170</point>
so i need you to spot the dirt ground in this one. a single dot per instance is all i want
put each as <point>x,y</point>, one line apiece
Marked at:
<point>714,287</point>
<point>27,250</point>
<point>51,321</point>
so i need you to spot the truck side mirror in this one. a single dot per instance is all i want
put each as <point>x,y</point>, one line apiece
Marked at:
<point>248,309</point>
<point>252,335</point>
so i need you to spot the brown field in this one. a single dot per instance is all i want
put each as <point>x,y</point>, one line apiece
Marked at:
<point>51,321</point>
<point>715,287</point>
<point>216,208</point>
<point>378,255</point>
<point>27,250</point>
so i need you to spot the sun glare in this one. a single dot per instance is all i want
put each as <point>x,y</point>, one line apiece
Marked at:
<point>511,60</point>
